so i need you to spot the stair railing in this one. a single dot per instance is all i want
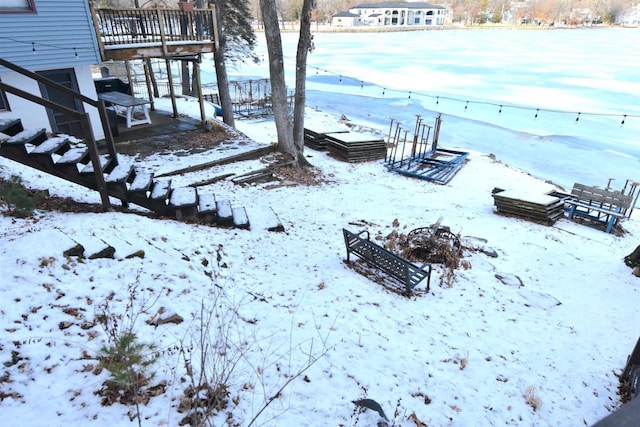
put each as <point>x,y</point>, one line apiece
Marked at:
<point>83,117</point>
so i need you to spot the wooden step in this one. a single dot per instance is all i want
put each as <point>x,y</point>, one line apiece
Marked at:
<point>207,211</point>
<point>116,182</point>
<point>225,213</point>
<point>159,195</point>
<point>185,202</point>
<point>74,156</point>
<point>105,160</point>
<point>140,182</point>
<point>20,140</point>
<point>119,174</point>
<point>11,126</point>
<point>54,145</point>
<point>240,217</point>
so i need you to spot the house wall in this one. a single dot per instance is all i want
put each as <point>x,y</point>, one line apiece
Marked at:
<point>343,21</point>
<point>392,16</point>
<point>61,32</point>
<point>34,116</point>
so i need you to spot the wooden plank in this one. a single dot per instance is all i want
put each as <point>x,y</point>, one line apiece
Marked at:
<point>587,194</point>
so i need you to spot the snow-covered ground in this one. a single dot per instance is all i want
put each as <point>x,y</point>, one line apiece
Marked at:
<point>534,336</point>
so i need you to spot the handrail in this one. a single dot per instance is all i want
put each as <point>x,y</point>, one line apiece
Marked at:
<point>85,121</point>
<point>130,26</point>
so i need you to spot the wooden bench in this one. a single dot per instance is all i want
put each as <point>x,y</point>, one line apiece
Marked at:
<point>404,271</point>
<point>605,206</point>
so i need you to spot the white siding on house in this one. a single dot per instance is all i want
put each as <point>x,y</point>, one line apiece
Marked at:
<point>61,32</point>
<point>55,29</point>
<point>35,116</point>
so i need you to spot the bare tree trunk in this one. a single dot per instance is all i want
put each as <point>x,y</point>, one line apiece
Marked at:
<point>221,72</point>
<point>305,45</point>
<point>281,114</point>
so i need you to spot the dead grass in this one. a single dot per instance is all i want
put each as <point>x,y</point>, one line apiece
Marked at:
<point>532,399</point>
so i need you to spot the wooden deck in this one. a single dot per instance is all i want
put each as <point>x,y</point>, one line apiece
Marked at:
<point>126,34</point>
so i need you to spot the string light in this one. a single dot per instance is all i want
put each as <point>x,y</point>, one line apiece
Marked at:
<point>500,107</point>
<point>35,45</point>
<point>578,118</point>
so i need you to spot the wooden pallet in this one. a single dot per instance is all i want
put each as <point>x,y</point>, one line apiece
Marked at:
<point>541,208</point>
<point>317,139</point>
<point>356,147</point>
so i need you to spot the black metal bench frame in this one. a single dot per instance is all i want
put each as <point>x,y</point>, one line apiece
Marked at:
<point>375,255</point>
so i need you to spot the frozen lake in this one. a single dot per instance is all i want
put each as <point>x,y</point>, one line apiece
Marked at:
<point>551,102</point>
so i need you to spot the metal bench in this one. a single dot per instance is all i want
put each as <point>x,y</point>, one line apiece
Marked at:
<point>399,269</point>
<point>598,204</point>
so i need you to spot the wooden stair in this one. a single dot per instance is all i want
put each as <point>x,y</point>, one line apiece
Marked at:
<point>68,158</point>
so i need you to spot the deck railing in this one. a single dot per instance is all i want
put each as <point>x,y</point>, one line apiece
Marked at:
<point>148,28</point>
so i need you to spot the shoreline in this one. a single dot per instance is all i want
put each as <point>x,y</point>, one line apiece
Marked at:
<point>395,29</point>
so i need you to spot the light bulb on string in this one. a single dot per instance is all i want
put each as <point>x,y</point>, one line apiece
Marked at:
<point>33,47</point>
<point>537,111</point>
<point>383,91</point>
<point>340,79</point>
<point>361,84</point>
<point>500,110</point>
<point>75,52</point>
<point>466,105</point>
<point>623,119</point>
<point>578,118</point>
<point>409,94</point>
<point>437,100</point>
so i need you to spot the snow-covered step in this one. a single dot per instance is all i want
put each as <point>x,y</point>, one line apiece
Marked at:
<point>240,217</point>
<point>225,213</point>
<point>141,182</point>
<point>185,200</point>
<point>88,169</point>
<point>52,145</point>
<point>207,210</point>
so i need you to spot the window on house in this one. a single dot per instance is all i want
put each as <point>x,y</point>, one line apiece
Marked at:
<point>17,6</point>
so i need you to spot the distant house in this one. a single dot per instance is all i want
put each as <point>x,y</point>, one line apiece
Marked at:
<point>400,14</point>
<point>55,39</point>
<point>345,19</point>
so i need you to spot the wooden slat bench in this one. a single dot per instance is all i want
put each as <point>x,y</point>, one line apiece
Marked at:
<point>598,204</point>
<point>404,271</point>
